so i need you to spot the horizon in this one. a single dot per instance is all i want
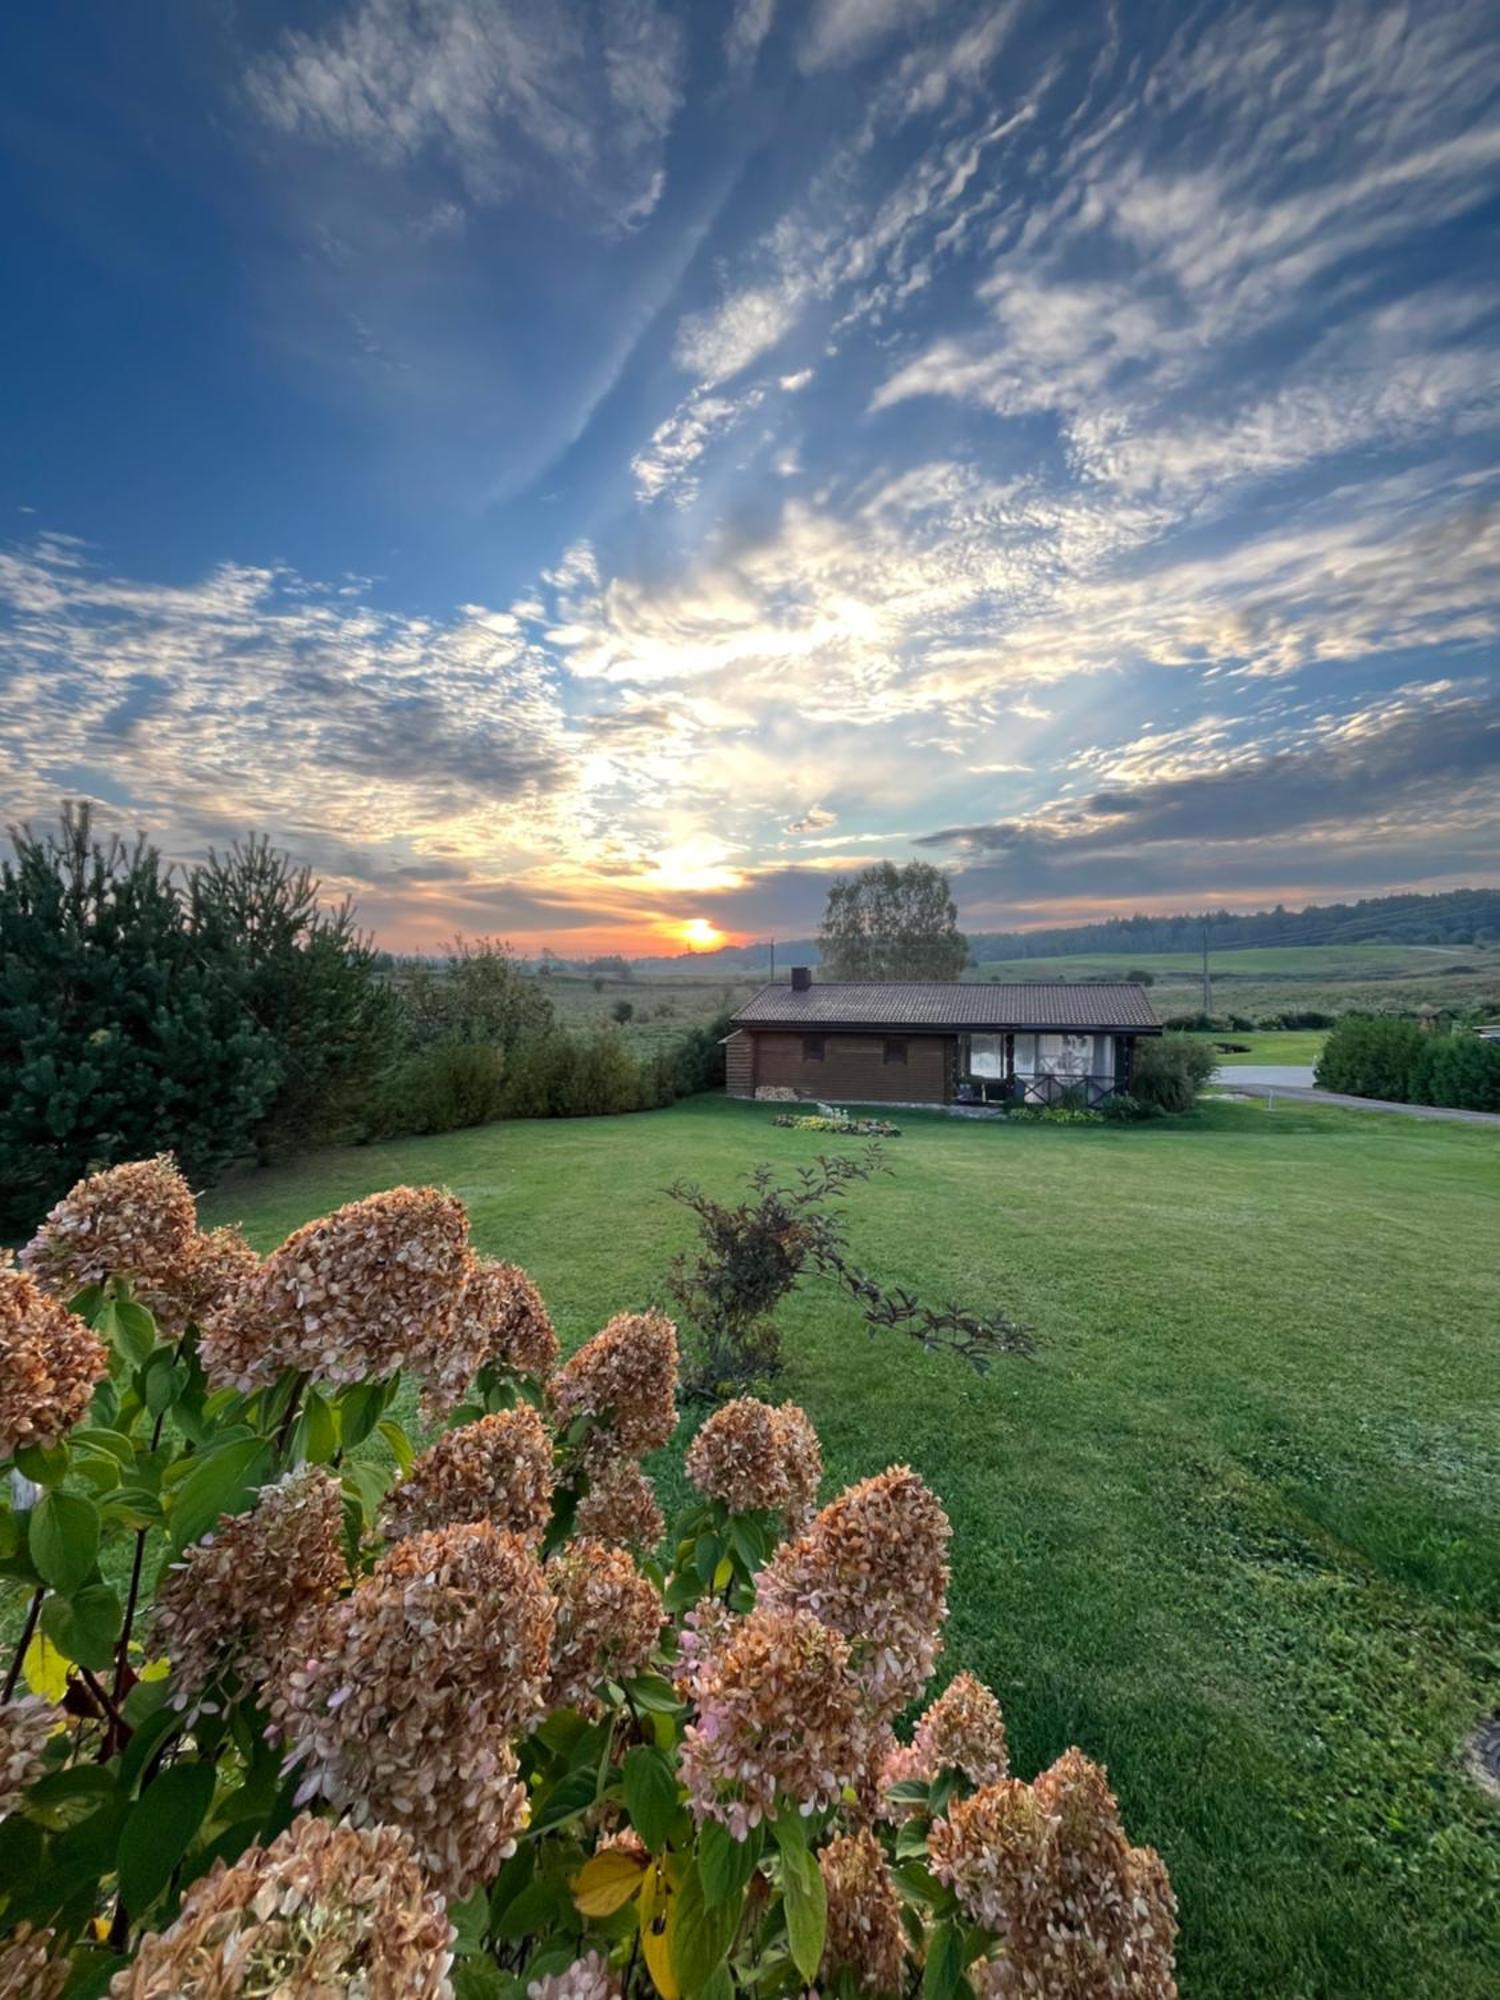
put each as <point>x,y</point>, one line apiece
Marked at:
<point>588,474</point>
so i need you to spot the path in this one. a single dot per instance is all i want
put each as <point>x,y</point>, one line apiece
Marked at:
<point>1294,1086</point>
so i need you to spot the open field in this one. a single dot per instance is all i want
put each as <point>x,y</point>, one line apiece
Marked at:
<point>1293,1045</point>
<point>1236,1530</point>
<point>662,1007</point>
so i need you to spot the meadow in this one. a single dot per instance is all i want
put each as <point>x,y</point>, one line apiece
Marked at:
<point>1235,1529</point>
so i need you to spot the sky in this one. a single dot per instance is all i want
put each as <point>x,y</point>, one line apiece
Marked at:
<point>588,470</point>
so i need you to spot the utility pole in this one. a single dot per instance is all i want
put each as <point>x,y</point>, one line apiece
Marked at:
<point>1208,991</point>
<point>773,961</point>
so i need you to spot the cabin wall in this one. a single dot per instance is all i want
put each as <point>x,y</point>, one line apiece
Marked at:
<point>739,1064</point>
<point>854,1067</point>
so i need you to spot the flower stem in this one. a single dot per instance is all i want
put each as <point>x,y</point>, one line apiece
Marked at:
<point>33,1612</point>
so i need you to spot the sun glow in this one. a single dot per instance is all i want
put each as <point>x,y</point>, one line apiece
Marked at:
<point>698,934</point>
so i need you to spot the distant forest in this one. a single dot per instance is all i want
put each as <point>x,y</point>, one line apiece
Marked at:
<point>1459,916</point>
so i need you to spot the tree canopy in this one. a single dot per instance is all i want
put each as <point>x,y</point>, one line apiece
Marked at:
<point>890,922</point>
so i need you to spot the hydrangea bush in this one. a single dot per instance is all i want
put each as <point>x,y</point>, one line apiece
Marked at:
<point>300,1710</point>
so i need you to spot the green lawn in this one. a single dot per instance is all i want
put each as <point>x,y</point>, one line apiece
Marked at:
<point>1298,1045</point>
<point>1236,1530</point>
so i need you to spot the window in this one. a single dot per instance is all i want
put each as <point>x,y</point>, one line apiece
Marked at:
<point>895,1051</point>
<point>812,1048</point>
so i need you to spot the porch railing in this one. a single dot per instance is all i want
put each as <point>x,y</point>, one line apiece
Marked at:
<point>1087,1091</point>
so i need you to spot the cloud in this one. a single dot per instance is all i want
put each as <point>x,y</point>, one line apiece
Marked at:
<point>1410,764</point>
<point>813,820</point>
<point>843,31</point>
<point>723,341</point>
<point>748,28</point>
<point>511,95</point>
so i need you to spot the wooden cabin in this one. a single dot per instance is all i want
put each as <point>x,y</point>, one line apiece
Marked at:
<point>937,1042</point>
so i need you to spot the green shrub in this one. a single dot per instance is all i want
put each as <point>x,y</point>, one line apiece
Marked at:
<point>1124,1108</point>
<point>444,1088</point>
<point>1168,1073</point>
<point>1371,1055</point>
<point>1458,1070</point>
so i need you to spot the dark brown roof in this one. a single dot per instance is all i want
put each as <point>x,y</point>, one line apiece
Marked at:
<point>901,1003</point>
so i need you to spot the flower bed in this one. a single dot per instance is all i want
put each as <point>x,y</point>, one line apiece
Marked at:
<point>443,1722</point>
<point>853,1128</point>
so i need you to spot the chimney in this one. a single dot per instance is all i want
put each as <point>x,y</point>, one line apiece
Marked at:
<point>801,978</point>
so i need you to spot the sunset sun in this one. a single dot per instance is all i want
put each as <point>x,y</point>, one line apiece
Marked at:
<point>698,934</point>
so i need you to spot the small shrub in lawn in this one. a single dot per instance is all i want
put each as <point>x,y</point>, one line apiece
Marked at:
<point>436,1724</point>
<point>1123,1108</point>
<point>1169,1071</point>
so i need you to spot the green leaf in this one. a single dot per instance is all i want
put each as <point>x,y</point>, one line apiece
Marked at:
<point>726,1864</point>
<point>63,1539</point>
<point>803,1894</point>
<point>316,1438</point>
<point>479,1979</point>
<point>400,1444</point>
<point>700,1937</point>
<point>365,1482</point>
<point>654,1694</point>
<point>359,1412</point>
<point>650,1795</point>
<point>163,1380</point>
<point>572,1794</point>
<point>944,1969</point>
<point>539,1907</point>
<point>470,1920</point>
<point>128,1328</point>
<point>93,1969</point>
<point>155,1837</point>
<point>46,1464</point>
<point>85,1625</point>
<point>221,1482</point>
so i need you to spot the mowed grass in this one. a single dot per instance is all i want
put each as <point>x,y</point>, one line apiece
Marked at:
<point>1292,1045</point>
<point>1235,1530</point>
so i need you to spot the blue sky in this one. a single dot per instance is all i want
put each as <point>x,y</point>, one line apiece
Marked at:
<point>574,470</point>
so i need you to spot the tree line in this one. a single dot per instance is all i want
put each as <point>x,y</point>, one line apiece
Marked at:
<point>225,1011</point>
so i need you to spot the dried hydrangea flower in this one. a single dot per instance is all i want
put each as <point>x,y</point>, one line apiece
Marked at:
<point>222,1614</point>
<point>994,1851</point>
<point>865,1933</point>
<point>873,1564</point>
<point>1048,1869</point>
<point>398,1702</point>
<point>1114,1921</point>
<point>50,1360</point>
<point>25,1727</point>
<point>752,1455</point>
<point>134,1221</point>
<point>962,1731</point>
<point>324,1910</point>
<point>219,1268</point>
<point>620,1505</point>
<point>609,1617</point>
<point>368,1290</point>
<point>587,1978</point>
<point>498,1469</point>
<point>32,1967</point>
<point>775,1711</point>
<point>501,1324</point>
<point>626,1377</point>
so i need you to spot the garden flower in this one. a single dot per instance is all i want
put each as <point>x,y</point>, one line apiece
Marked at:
<point>626,1377</point>
<point>752,1455</point>
<point>498,1469</point>
<point>865,1932</point>
<point>135,1221</point>
<point>324,1910</point>
<point>873,1565</point>
<point>620,1505</point>
<point>1048,1868</point>
<point>224,1611</point>
<point>50,1360</point>
<point>31,1967</point>
<point>25,1727</point>
<point>219,1267</point>
<point>962,1731</point>
<point>609,1617</point>
<point>776,1711</point>
<point>587,1978</point>
<point>368,1290</point>
<point>501,1324</point>
<point>399,1701</point>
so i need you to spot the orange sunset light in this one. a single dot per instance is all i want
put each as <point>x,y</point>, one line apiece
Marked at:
<point>698,934</point>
